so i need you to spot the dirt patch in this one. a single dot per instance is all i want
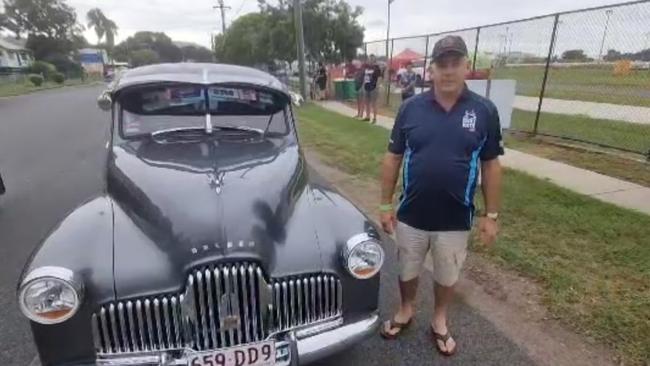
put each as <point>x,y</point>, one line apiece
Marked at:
<point>514,304</point>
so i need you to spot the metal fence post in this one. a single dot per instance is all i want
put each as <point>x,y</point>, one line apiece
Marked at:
<point>551,47</point>
<point>478,33</point>
<point>365,50</point>
<point>426,65</point>
<point>390,60</point>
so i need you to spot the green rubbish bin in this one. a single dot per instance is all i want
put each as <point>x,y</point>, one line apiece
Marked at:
<point>349,90</point>
<point>338,89</point>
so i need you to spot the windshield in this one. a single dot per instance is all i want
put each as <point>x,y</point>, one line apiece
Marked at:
<point>151,109</point>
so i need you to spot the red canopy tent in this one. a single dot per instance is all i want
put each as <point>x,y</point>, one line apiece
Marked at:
<point>404,58</point>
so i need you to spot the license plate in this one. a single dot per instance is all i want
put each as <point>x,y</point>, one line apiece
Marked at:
<point>257,354</point>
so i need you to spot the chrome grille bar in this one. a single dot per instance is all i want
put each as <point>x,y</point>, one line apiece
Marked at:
<point>313,296</point>
<point>222,306</point>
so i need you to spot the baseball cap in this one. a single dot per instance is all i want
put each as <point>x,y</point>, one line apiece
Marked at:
<point>449,44</point>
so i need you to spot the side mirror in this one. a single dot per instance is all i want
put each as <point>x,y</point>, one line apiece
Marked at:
<point>104,101</point>
<point>296,99</point>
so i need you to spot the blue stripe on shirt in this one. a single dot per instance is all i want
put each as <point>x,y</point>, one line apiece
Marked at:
<point>473,170</point>
<point>405,176</point>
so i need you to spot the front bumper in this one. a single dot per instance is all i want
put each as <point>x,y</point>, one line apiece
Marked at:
<point>298,347</point>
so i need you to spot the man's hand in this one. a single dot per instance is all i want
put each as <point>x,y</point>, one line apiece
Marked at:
<point>488,231</point>
<point>388,222</point>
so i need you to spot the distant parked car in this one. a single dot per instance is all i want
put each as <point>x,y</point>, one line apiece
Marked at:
<point>213,245</point>
<point>2,186</point>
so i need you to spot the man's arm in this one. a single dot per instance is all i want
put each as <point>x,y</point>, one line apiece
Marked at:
<point>389,172</point>
<point>491,184</point>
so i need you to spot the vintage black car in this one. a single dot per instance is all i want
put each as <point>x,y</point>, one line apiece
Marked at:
<point>212,244</point>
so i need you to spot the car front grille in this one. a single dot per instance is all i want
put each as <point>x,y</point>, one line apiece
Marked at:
<point>222,306</point>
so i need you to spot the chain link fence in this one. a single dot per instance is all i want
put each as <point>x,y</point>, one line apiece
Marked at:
<point>582,75</point>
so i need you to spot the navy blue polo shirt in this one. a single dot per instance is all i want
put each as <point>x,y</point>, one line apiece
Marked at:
<point>441,158</point>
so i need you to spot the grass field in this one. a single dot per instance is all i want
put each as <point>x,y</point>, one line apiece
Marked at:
<point>12,89</point>
<point>617,134</point>
<point>583,156</point>
<point>624,135</point>
<point>593,84</point>
<point>591,257</point>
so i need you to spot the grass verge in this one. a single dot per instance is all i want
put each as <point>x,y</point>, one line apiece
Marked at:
<point>592,84</point>
<point>591,257</point>
<point>618,134</point>
<point>13,89</point>
<point>630,168</point>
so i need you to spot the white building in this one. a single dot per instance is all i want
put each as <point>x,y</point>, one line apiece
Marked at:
<point>13,54</point>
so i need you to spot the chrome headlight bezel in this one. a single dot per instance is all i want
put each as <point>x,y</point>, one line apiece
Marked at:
<point>64,277</point>
<point>357,243</point>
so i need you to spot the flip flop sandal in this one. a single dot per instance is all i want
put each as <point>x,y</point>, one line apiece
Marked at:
<point>394,325</point>
<point>443,338</point>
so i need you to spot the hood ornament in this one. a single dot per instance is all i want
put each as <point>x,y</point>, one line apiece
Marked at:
<point>215,180</point>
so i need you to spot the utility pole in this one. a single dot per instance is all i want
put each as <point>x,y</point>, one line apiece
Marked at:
<point>223,8</point>
<point>300,37</point>
<point>602,44</point>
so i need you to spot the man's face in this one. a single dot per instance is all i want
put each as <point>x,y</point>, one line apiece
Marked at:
<point>448,72</point>
<point>373,59</point>
<point>409,68</point>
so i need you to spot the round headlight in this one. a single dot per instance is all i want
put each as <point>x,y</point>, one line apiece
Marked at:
<point>363,256</point>
<point>50,295</point>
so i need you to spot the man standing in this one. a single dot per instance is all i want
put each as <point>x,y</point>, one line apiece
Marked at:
<point>443,133</point>
<point>370,85</point>
<point>407,81</point>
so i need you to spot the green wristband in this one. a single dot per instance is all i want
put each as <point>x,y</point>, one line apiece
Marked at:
<point>386,208</point>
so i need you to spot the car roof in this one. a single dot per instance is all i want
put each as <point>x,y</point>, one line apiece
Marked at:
<point>197,73</point>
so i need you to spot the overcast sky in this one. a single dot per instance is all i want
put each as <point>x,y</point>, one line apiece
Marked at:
<point>195,20</point>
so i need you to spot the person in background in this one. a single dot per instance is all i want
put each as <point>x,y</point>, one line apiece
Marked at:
<point>358,86</point>
<point>407,81</point>
<point>372,73</point>
<point>321,80</point>
<point>443,136</point>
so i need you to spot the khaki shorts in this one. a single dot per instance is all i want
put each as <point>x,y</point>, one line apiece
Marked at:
<point>448,249</point>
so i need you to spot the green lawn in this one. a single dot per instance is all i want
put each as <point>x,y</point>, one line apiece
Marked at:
<point>12,89</point>
<point>593,84</point>
<point>617,134</point>
<point>610,163</point>
<point>630,136</point>
<point>592,258</point>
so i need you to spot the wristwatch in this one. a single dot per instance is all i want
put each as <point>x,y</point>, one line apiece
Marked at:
<point>492,215</point>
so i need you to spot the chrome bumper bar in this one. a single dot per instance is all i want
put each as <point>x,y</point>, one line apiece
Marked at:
<point>297,347</point>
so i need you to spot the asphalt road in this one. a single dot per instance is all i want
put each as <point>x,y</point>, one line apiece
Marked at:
<point>52,147</point>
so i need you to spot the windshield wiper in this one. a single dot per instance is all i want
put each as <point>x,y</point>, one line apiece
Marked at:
<point>177,130</point>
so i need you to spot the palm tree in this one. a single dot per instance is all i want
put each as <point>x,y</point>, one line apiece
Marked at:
<point>103,26</point>
<point>96,19</point>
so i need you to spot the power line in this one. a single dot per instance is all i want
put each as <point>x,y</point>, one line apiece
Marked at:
<point>240,9</point>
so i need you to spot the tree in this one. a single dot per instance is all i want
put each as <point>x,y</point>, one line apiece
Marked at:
<point>144,57</point>
<point>612,55</point>
<point>247,41</point>
<point>197,54</point>
<point>333,33</point>
<point>574,55</point>
<point>103,26</point>
<point>49,18</point>
<point>155,41</point>
<point>8,24</point>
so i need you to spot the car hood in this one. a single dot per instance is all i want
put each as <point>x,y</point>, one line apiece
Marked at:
<point>184,205</point>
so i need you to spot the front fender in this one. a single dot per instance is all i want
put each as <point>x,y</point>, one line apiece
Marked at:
<point>83,243</point>
<point>337,220</point>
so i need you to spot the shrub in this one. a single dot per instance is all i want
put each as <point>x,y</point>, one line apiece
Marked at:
<point>42,68</point>
<point>65,65</point>
<point>57,77</point>
<point>36,79</point>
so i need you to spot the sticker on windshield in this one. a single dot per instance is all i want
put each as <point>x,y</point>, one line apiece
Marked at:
<point>224,94</point>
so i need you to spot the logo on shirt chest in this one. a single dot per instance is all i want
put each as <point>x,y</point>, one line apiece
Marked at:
<point>469,120</point>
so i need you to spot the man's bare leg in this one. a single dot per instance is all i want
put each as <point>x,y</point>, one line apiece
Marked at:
<point>443,298</point>
<point>408,291</point>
